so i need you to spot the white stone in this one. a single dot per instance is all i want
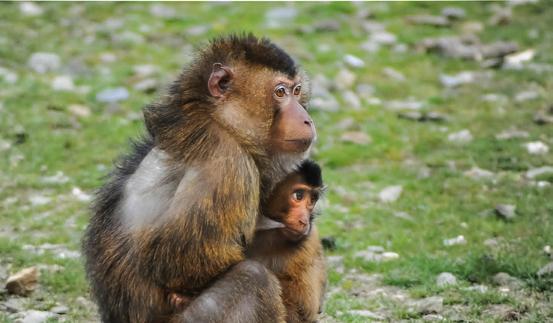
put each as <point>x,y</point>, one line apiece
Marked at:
<point>536,172</point>
<point>446,279</point>
<point>30,9</point>
<point>37,200</point>
<point>390,193</point>
<point>42,62</point>
<point>536,148</point>
<point>458,240</point>
<point>63,83</point>
<point>479,173</point>
<point>354,61</point>
<point>356,137</point>
<point>112,95</point>
<point>461,137</point>
<point>79,110</point>
<point>33,316</point>
<point>80,195</point>
<point>8,76</point>
<point>367,314</point>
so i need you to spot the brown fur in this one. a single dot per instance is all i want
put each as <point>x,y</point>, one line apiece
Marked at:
<point>198,246</point>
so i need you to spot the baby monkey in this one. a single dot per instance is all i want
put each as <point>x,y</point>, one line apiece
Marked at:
<point>287,243</point>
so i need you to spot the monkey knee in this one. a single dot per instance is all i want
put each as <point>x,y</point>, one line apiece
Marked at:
<point>257,272</point>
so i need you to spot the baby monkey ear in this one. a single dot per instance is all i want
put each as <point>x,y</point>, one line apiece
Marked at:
<point>219,80</point>
<point>264,224</point>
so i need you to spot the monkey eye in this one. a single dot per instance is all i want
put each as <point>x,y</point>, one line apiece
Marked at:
<point>298,195</point>
<point>280,91</point>
<point>297,90</point>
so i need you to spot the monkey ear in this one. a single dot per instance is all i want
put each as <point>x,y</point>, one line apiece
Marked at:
<point>219,80</point>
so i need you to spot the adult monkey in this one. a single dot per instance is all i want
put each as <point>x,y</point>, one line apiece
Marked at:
<point>178,211</point>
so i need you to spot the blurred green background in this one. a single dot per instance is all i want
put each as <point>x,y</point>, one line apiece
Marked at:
<point>435,137</point>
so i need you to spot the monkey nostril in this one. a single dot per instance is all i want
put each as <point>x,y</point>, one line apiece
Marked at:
<point>307,122</point>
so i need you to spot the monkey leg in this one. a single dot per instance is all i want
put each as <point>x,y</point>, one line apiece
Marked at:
<point>247,293</point>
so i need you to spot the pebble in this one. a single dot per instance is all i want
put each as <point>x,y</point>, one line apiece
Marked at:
<point>446,279</point>
<point>526,96</point>
<point>383,37</point>
<point>63,83</point>
<point>436,21</point>
<point>458,240</point>
<point>112,95</point>
<point>546,270</point>
<point>455,80</point>
<point>536,148</point>
<point>147,85</point>
<point>80,195</point>
<point>506,280</point>
<point>432,317</point>
<point>429,305</point>
<point>162,11</point>
<point>328,104</point>
<point>394,74</point>
<point>8,76</point>
<point>79,110</point>
<point>23,282</point>
<point>517,60</point>
<point>390,193</point>
<point>60,309</point>
<point>376,256</point>
<point>453,13</point>
<point>345,79</point>
<point>37,200</point>
<point>461,137</point>
<point>33,316</point>
<point>512,134</point>
<point>501,312</point>
<point>409,104</point>
<point>30,9</point>
<point>354,61</point>
<point>58,178</point>
<point>536,172</point>
<point>352,100</point>
<point>506,211</point>
<point>145,70</point>
<point>356,137</point>
<point>280,17</point>
<point>42,62</point>
<point>367,314</point>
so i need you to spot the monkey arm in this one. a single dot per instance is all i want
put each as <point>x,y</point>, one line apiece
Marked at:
<point>210,218</point>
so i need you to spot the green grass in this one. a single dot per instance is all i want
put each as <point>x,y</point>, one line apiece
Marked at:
<point>444,205</point>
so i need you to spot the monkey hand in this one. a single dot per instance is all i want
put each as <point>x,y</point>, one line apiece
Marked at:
<point>179,301</point>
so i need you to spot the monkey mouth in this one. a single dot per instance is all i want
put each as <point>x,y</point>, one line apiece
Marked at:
<point>298,145</point>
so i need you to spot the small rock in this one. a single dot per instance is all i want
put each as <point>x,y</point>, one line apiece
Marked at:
<point>162,11</point>
<point>461,137</point>
<point>356,137</point>
<point>145,70</point>
<point>429,305</point>
<point>548,251</point>
<point>80,195</point>
<point>280,17</point>
<point>366,313</point>
<point>394,74</point>
<point>502,16</point>
<point>30,9</point>
<point>343,124</point>
<point>329,243</point>
<point>491,242</point>
<point>108,57</point>
<point>390,193</point>
<point>422,116</point>
<point>526,96</point>
<point>546,270</point>
<point>197,30</point>
<point>112,95</point>
<point>44,62</point>
<point>404,215</point>
<point>147,85</point>
<point>432,317</point>
<point>329,104</point>
<point>458,240</point>
<point>23,282</point>
<point>453,13</point>
<point>544,116</point>
<point>78,110</point>
<point>446,279</point>
<point>60,309</point>
<point>354,61</point>
<point>15,304</point>
<point>352,100</point>
<point>505,211</point>
<point>8,76</point>
<point>517,60</point>
<point>436,21</point>
<point>37,200</point>
<point>451,81</point>
<point>63,83</point>
<point>344,79</point>
<point>410,104</point>
<point>540,171</point>
<point>477,288</point>
<point>383,37</point>
<point>536,148</point>
<point>335,262</point>
<point>506,280</point>
<point>376,256</point>
<point>511,134</point>
<point>502,312</point>
<point>58,178</point>
<point>33,316</point>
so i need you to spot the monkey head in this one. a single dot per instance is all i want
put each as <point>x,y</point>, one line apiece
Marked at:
<point>261,97</point>
<point>290,208</point>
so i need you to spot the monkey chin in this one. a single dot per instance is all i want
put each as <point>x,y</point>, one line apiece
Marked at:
<point>294,236</point>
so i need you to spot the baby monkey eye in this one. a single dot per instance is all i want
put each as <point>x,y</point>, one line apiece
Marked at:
<point>280,91</point>
<point>297,90</point>
<point>314,197</point>
<point>298,195</point>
